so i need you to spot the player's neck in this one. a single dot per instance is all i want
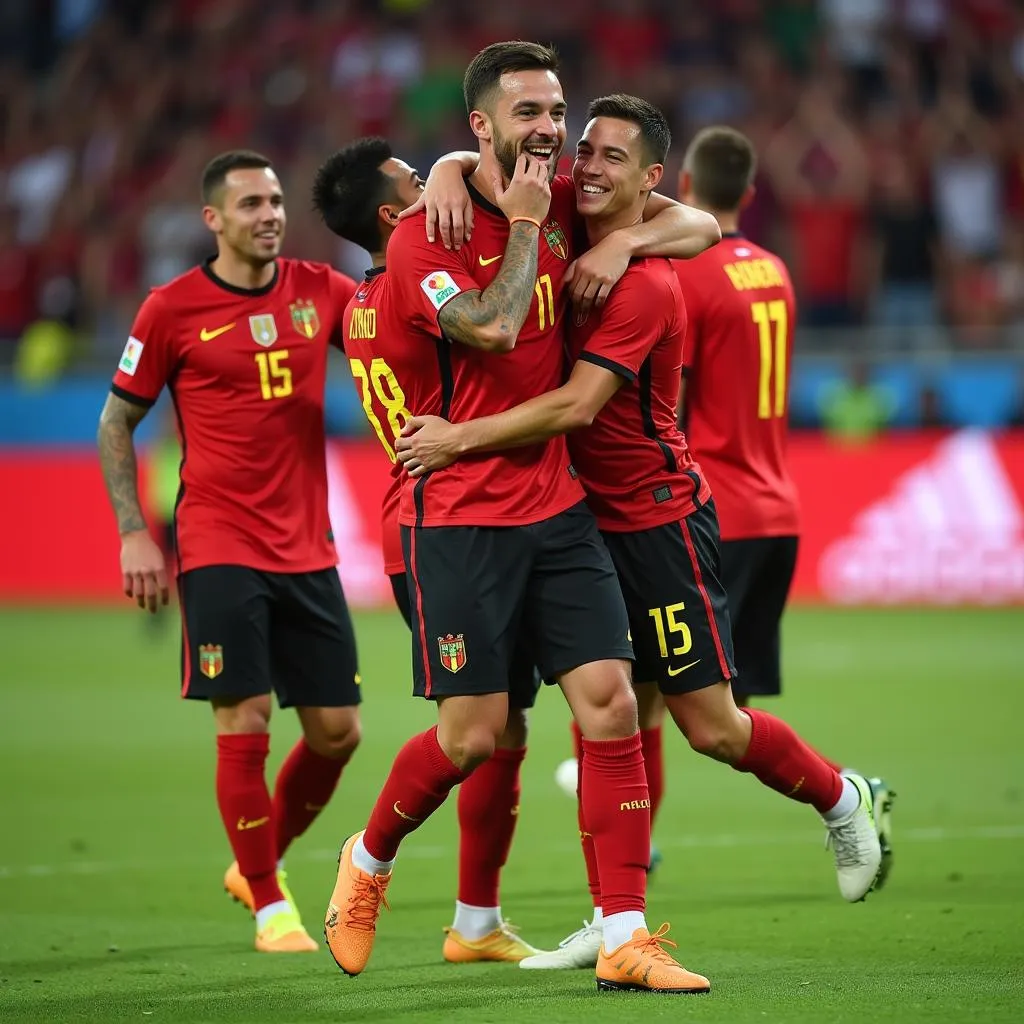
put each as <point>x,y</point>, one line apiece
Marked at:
<point>728,221</point>
<point>240,274</point>
<point>483,177</point>
<point>599,227</point>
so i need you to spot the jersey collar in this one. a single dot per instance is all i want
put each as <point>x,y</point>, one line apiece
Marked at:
<point>479,200</point>
<point>732,234</point>
<point>250,292</point>
<point>373,272</point>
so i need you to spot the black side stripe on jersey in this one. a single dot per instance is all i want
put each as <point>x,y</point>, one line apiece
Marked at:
<point>127,396</point>
<point>181,480</point>
<point>443,347</point>
<point>608,364</point>
<point>650,430</point>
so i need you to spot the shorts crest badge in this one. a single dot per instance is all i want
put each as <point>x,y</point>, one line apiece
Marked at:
<point>453,651</point>
<point>305,318</point>
<point>555,237</point>
<point>211,660</point>
<point>263,328</point>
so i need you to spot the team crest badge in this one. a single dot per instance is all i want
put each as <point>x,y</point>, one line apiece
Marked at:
<point>555,237</point>
<point>211,660</point>
<point>453,652</point>
<point>305,318</point>
<point>264,329</point>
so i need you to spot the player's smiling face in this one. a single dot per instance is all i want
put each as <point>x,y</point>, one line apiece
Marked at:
<point>610,171</point>
<point>528,115</point>
<point>250,216</point>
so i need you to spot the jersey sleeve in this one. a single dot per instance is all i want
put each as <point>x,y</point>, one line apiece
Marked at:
<point>692,304</point>
<point>149,357</point>
<point>425,274</point>
<point>632,321</point>
<point>341,289</point>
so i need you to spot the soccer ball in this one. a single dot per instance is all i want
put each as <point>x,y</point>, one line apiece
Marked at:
<point>565,777</point>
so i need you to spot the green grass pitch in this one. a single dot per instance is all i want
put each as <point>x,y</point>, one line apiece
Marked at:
<point>111,850</point>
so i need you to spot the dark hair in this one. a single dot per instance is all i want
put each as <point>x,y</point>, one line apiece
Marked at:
<point>654,131</point>
<point>350,186</point>
<point>485,70</point>
<point>217,170</point>
<point>721,162</point>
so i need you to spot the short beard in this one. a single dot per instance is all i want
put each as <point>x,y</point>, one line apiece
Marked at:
<point>506,155</point>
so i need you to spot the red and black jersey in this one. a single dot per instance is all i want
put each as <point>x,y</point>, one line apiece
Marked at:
<point>384,364</point>
<point>633,460</point>
<point>246,370</point>
<point>736,360</point>
<point>509,488</point>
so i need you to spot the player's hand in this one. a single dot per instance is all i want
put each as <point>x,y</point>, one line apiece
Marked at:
<point>427,443</point>
<point>528,193</point>
<point>446,200</point>
<point>591,277</point>
<point>143,570</point>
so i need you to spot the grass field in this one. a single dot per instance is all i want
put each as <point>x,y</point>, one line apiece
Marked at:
<point>111,850</point>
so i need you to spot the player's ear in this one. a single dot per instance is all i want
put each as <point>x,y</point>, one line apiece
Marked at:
<point>652,176</point>
<point>480,124</point>
<point>748,197</point>
<point>212,218</point>
<point>388,213</point>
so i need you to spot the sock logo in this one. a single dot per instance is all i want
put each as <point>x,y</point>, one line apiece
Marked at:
<point>398,810</point>
<point>635,805</point>
<point>244,825</point>
<point>800,782</point>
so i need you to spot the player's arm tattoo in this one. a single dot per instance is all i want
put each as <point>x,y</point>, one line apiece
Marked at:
<point>114,438</point>
<point>491,319</point>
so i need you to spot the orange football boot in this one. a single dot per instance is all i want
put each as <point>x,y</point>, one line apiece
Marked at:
<point>284,934</point>
<point>350,925</point>
<point>502,945</point>
<point>642,964</point>
<point>236,886</point>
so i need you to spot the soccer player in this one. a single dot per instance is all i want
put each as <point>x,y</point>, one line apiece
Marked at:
<point>654,506</point>
<point>503,544</point>
<point>241,342</point>
<point>359,191</point>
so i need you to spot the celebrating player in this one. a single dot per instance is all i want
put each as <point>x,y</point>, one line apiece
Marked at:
<point>654,506</point>
<point>241,343</point>
<point>503,544</point>
<point>359,192</point>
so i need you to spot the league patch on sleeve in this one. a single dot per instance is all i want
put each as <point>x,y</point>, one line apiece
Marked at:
<point>439,288</point>
<point>130,356</point>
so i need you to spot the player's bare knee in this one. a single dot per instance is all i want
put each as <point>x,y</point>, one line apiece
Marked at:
<point>249,715</point>
<point>331,732</point>
<point>470,747</point>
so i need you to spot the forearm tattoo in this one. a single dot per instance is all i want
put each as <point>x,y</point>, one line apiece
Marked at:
<point>117,459</point>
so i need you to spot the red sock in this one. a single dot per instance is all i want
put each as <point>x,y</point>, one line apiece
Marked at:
<point>586,839</point>
<point>303,788</point>
<point>654,766</point>
<point>617,809</point>
<point>247,813</point>
<point>488,811</point>
<point>421,778</point>
<point>783,762</point>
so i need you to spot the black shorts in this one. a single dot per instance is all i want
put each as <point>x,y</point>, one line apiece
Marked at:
<point>479,593</point>
<point>524,680</point>
<point>757,573</point>
<point>678,610</point>
<point>246,632</point>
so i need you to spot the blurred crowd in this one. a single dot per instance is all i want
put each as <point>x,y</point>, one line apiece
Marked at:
<point>891,135</point>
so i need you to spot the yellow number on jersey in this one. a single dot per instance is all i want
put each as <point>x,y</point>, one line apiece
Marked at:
<point>544,291</point>
<point>373,379</point>
<point>667,616</point>
<point>275,377</point>
<point>765,314</point>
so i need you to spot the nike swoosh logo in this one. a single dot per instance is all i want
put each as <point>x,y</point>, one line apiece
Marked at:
<point>205,335</point>
<point>244,825</point>
<point>493,259</point>
<point>682,668</point>
<point>398,810</point>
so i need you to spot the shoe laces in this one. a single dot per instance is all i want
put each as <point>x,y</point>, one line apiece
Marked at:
<point>368,893</point>
<point>578,934</point>
<point>845,841</point>
<point>654,945</point>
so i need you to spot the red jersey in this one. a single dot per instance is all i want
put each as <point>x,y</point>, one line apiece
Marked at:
<point>633,459</point>
<point>380,356</point>
<point>736,359</point>
<point>246,370</point>
<point>509,488</point>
